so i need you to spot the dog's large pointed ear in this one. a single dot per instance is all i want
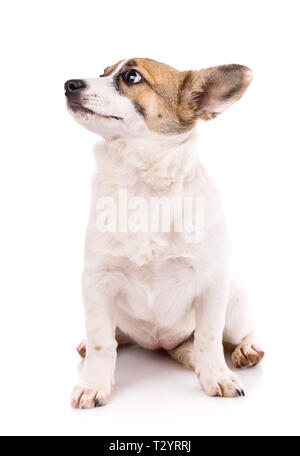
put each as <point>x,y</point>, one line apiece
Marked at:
<point>206,93</point>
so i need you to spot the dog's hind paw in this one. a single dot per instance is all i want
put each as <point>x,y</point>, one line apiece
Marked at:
<point>247,356</point>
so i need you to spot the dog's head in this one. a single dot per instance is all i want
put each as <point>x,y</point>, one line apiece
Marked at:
<point>142,97</point>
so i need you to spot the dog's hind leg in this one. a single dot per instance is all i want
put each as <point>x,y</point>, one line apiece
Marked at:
<point>239,334</point>
<point>184,353</point>
<point>238,337</point>
<point>121,338</point>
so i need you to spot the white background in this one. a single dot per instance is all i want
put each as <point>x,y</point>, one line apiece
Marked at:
<point>252,151</point>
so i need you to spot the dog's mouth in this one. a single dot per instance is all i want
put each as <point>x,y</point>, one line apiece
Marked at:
<point>77,107</point>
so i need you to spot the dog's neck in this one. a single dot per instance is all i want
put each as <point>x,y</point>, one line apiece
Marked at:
<point>160,163</point>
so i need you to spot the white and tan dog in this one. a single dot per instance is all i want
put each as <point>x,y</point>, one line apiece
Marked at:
<point>157,289</point>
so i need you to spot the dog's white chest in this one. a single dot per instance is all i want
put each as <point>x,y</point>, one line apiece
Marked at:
<point>157,310</point>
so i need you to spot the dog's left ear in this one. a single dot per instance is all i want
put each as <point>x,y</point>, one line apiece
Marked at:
<point>206,93</point>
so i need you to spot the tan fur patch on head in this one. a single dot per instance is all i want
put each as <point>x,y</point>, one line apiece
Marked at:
<point>156,97</point>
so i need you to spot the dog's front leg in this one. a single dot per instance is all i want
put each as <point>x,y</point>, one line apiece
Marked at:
<point>97,378</point>
<point>214,375</point>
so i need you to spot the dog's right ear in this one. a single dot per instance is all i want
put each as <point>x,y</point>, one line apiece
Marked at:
<point>206,93</point>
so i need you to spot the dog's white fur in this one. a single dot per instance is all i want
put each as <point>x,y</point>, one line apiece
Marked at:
<point>158,293</point>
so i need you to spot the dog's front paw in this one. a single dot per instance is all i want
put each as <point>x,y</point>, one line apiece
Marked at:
<point>221,383</point>
<point>84,397</point>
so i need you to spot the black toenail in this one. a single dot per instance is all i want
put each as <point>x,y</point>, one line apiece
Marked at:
<point>97,403</point>
<point>238,391</point>
<point>243,393</point>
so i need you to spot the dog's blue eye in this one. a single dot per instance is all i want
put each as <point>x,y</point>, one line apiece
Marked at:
<point>132,77</point>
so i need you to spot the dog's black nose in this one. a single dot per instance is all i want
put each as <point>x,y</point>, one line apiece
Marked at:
<point>74,85</point>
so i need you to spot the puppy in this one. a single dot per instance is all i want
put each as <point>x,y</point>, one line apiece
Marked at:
<point>145,284</point>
